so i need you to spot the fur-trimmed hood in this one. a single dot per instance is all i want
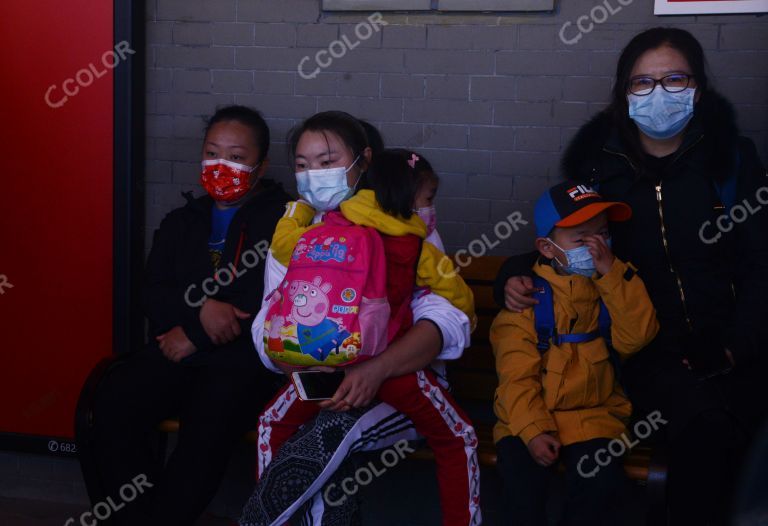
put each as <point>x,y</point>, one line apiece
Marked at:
<point>713,128</point>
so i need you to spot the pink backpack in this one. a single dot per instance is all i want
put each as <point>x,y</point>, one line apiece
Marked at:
<point>331,308</point>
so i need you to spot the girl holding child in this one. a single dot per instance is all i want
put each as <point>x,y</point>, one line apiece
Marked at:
<point>332,157</point>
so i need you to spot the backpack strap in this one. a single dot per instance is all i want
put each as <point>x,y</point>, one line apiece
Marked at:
<point>604,324</point>
<point>543,314</point>
<point>575,337</point>
<point>336,218</point>
<point>544,321</point>
<point>726,189</point>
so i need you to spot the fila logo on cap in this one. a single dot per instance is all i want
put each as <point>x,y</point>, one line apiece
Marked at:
<point>579,192</point>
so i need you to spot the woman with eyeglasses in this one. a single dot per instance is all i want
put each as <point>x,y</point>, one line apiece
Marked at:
<point>668,146</point>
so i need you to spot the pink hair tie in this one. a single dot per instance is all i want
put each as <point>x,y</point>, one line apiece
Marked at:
<point>414,159</point>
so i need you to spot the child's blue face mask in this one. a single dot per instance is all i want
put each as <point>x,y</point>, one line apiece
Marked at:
<point>579,260</point>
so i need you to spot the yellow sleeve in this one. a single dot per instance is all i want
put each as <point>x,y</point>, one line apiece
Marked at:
<point>294,223</point>
<point>436,271</point>
<point>633,318</point>
<point>519,404</point>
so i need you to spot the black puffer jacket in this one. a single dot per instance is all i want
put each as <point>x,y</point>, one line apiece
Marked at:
<point>705,290</point>
<point>179,269</point>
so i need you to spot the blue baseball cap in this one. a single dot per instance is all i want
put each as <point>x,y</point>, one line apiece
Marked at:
<point>569,204</point>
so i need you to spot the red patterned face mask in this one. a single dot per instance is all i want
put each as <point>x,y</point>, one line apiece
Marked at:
<point>225,180</point>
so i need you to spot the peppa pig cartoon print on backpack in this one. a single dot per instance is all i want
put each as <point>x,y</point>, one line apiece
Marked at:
<point>318,334</point>
<point>331,308</point>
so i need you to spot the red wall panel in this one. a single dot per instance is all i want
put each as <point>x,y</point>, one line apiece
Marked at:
<point>55,209</point>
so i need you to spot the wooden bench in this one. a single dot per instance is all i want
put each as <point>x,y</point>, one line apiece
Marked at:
<point>473,381</point>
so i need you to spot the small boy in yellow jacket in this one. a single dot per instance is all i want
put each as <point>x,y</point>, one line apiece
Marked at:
<point>559,399</point>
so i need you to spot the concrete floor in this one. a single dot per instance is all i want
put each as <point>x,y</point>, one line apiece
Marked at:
<point>22,512</point>
<point>48,491</point>
<point>407,495</point>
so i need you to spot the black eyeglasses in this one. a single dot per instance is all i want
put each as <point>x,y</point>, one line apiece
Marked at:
<point>674,83</point>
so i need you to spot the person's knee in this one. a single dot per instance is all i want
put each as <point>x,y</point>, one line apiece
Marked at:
<point>218,421</point>
<point>114,412</point>
<point>596,465</point>
<point>514,461</point>
<point>525,483</point>
<point>399,389</point>
<point>232,382</point>
<point>510,447</point>
<point>611,477</point>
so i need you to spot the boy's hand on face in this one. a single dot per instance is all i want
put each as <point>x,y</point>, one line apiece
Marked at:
<point>175,345</point>
<point>544,449</point>
<point>221,321</point>
<point>601,253</point>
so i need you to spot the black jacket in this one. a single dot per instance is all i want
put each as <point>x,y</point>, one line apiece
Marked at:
<point>179,264</point>
<point>708,291</point>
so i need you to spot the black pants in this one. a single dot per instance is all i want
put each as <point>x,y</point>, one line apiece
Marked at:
<point>217,396</point>
<point>710,426</point>
<point>592,490</point>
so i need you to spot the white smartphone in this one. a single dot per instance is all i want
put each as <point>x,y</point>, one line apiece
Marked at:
<point>317,385</point>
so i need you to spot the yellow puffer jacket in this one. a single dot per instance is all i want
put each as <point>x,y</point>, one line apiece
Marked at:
<point>570,390</point>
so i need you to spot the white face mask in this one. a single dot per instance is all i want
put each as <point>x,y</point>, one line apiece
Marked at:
<point>325,189</point>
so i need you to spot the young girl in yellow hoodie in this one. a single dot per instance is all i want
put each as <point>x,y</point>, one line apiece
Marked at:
<point>395,198</point>
<point>559,399</point>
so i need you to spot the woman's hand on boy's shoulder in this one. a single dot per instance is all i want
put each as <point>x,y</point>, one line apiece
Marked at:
<point>518,293</point>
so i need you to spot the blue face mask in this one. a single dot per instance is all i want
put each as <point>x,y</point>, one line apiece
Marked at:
<point>325,189</point>
<point>579,260</point>
<point>661,115</point>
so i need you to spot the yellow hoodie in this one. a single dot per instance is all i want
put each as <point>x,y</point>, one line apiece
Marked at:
<point>570,390</point>
<point>362,209</point>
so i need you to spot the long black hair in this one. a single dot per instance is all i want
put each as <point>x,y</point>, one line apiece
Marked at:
<point>247,117</point>
<point>375,140</point>
<point>679,39</point>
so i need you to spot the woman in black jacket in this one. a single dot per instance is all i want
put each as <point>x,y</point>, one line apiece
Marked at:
<point>668,146</point>
<point>203,285</point>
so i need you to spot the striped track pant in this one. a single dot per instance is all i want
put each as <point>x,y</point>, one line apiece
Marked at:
<point>313,453</point>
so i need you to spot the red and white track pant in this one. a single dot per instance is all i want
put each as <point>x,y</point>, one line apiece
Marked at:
<point>436,417</point>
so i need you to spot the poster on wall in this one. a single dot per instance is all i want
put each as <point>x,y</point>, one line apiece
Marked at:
<point>703,7</point>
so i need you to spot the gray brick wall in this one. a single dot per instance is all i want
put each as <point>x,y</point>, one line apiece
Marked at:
<point>490,100</point>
